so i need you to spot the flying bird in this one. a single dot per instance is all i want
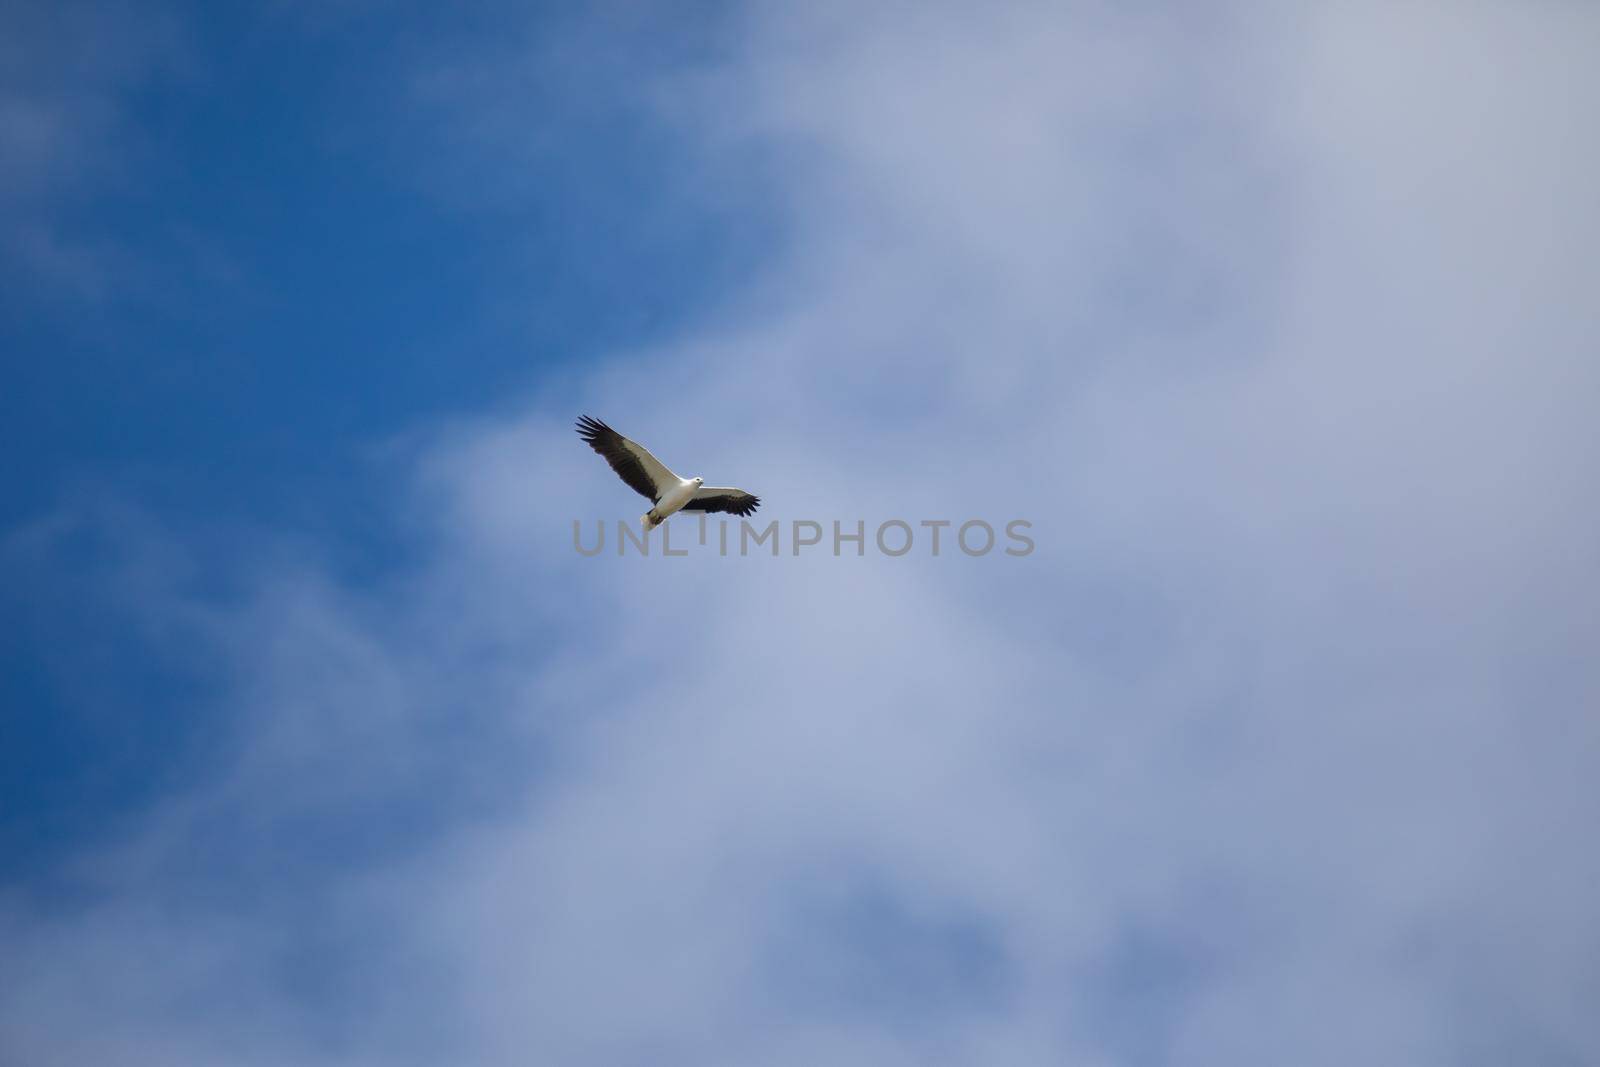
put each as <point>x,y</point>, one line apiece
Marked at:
<point>648,476</point>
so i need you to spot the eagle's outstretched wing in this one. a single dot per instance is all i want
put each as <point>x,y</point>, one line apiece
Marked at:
<point>733,501</point>
<point>644,473</point>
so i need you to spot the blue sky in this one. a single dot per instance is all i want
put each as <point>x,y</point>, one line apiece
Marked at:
<point>272,274</point>
<point>321,745</point>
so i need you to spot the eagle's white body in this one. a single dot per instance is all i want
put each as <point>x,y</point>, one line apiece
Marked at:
<point>671,501</point>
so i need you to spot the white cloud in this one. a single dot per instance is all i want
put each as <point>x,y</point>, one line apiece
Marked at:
<point>1273,751</point>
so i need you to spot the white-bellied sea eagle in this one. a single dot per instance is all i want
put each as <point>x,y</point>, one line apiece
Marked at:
<point>648,476</point>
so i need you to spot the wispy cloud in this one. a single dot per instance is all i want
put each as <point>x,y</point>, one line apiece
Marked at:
<point>66,74</point>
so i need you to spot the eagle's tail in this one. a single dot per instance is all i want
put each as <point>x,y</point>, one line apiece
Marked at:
<point>650,520</point>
